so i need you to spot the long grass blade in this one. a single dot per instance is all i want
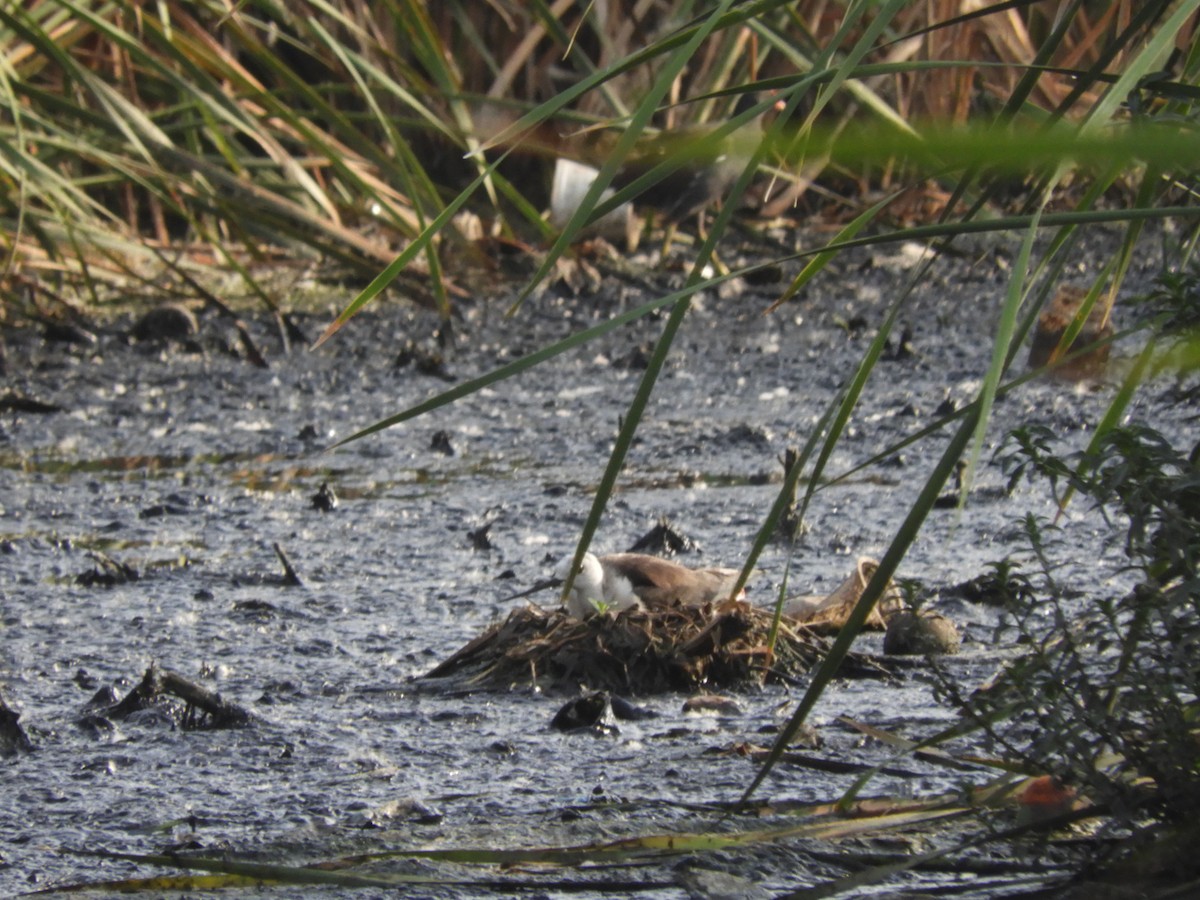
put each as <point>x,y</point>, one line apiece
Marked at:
<point>892,558</point>
<point>1002,349</point>
<point>637,125</point>
<point>532,359</point>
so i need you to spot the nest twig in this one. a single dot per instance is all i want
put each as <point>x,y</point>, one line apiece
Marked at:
<point>638,651</point>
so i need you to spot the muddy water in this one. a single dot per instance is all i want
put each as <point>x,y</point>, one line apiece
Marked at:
<point>189,464</point>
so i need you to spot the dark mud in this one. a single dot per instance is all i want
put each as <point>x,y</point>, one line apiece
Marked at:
<point>187,464</point>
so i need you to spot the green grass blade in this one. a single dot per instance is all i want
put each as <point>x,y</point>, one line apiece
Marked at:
<point>637,124</point>
<point>418,246</point>
<point>1149,58</point>
<point>532,359</point>
<point>814,266</point>
<point>1002,348</point>
<point>888,566</point>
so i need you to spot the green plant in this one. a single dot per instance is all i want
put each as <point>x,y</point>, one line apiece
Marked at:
<point>1176,299</point>
<point>1107,695</point>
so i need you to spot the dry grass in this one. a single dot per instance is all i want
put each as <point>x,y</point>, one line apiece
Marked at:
<point>340,131</point>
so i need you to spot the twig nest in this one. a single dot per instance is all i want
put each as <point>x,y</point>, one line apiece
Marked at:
<point>678,648</point>
<point>918,634</point>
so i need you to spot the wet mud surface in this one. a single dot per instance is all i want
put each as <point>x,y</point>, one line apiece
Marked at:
<point>187,464</point>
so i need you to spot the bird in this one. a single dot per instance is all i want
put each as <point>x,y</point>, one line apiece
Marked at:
<point>622,581</point>
<point>707,164</point>
<point>700,165</point>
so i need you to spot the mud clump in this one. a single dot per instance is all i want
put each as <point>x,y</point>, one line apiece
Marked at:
<point>916,634</point>
<point>168,322</point>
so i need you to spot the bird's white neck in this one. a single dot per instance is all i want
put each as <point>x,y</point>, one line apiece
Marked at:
<point>598,587</point>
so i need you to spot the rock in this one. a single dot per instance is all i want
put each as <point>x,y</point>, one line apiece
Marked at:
<point>712,703</point>
<point>714,885</point>
<point>911,633</point>
<point>169,322</point>
<point>591,712</point>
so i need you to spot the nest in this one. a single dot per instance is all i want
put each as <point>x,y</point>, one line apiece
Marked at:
<point>680,648</point>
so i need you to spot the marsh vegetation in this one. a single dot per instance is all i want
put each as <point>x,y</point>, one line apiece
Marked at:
<point>251,162</point>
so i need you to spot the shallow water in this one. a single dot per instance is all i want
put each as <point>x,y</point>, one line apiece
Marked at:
<point>189,464</point>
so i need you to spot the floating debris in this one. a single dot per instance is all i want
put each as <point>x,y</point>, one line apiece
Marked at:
<point>324,500</point>
<point>712,704</point>
<point>11,401</point>
<point>106,572</point>
<point>13,739</point>
<point>56,332</point>
<point>290,578</point>
<point>664,539</point>
<point>480,537</point>
<point>425,359</point>
<point>203,709</point>
<point>441,443</point>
